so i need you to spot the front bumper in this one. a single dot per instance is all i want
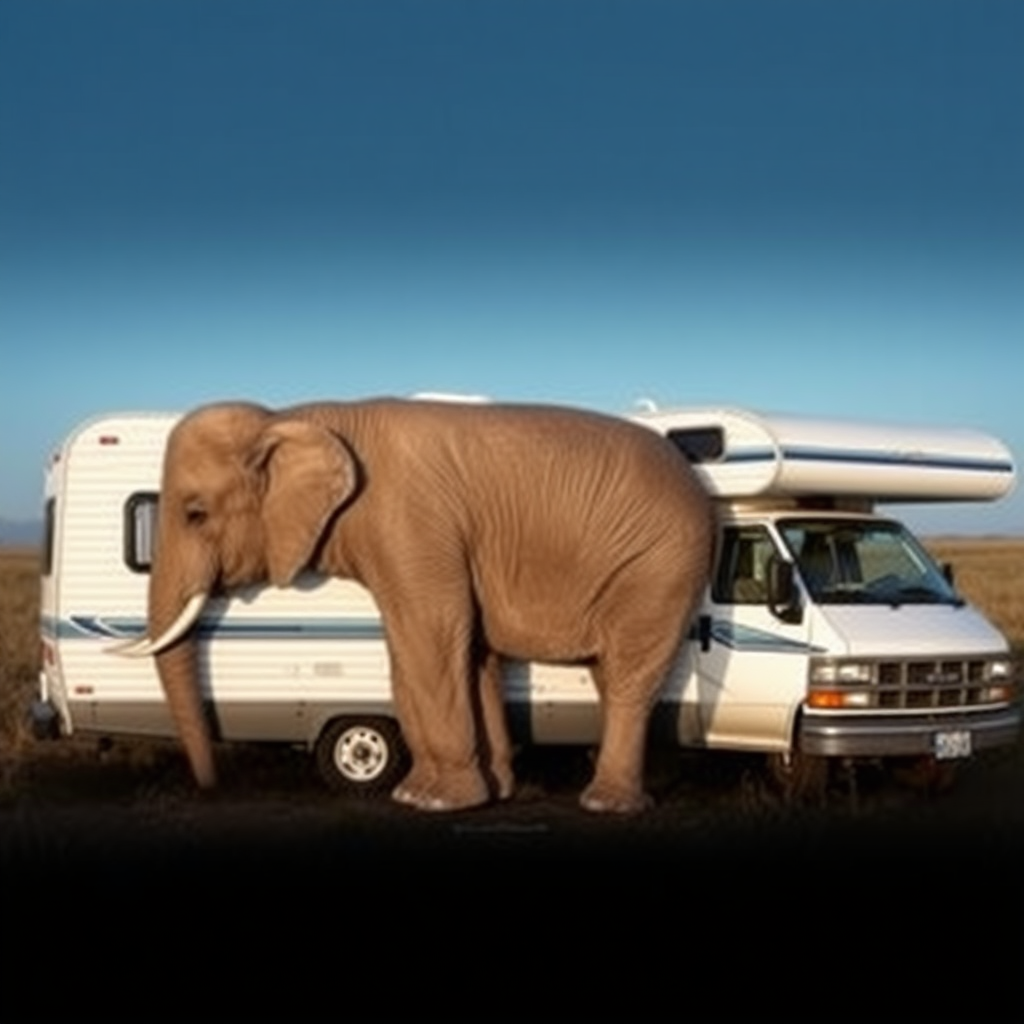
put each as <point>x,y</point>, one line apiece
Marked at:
<point>841,734</point>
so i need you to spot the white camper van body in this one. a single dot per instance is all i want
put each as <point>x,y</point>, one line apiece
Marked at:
<point>877,656</point>
<point>846,672</point>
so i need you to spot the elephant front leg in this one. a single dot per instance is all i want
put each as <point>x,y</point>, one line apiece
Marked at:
<point>497,753</point>
<point>422,774</point>
<point>435,711</point>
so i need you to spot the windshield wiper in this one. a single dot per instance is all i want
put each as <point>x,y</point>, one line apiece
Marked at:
<point>921,595</point>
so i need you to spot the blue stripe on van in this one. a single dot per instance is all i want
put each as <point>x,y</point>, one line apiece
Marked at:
<point>747,638</point>
<point>749,455</point>
<point>294,629</point>
<point>872,458</point>
<point>898,459</point>
<point>79,627</point>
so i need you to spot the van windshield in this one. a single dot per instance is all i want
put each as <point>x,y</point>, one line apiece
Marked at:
<point>866,561</point>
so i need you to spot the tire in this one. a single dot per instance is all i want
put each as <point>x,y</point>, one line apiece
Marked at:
<point>362,756</point>
<point>798,777</point>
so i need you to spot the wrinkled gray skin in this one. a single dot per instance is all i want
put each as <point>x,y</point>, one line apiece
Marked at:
<point>533,532</point>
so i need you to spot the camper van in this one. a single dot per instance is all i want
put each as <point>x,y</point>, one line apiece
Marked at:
<point>827,633</point>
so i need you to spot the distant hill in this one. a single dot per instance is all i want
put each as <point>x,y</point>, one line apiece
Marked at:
<point>18,532</point>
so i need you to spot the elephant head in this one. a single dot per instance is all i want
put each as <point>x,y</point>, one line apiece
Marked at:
<point>245,498</point>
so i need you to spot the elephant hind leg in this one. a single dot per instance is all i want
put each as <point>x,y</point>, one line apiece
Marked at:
<point>617,785</point>
<point>628,683</point>
<point>644,613</point>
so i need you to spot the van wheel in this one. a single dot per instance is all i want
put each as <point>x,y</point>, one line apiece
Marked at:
<point>798,777</point>
<point>362,756</point>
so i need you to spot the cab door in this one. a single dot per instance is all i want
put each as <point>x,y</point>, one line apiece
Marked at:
<point>751,661</point>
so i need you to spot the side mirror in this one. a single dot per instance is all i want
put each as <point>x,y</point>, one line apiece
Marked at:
<point>947,572</point>
<point>783,597</point>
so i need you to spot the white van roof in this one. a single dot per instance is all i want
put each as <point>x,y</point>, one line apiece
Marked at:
<point>743,453</point>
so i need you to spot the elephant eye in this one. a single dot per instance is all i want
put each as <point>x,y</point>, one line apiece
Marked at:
<point>195,514</point>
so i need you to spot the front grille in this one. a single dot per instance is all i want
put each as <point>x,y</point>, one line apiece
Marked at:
<point>922,685</point>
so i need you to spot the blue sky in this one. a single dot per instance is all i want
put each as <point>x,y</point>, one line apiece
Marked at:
<point>783,204</point>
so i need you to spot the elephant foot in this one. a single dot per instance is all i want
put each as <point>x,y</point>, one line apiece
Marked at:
<point>451,792</point>
<point>412,789</point>
<point>503,782</point>
<point>402,794</point>
<point>602,798</point>
<point>505,790</point>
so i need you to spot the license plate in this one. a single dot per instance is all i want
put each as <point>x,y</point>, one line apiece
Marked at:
<point>949,745</point>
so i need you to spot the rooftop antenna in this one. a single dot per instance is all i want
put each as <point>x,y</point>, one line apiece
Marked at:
<point>645,404</point>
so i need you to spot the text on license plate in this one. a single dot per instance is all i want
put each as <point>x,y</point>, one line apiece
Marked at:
<point>955,743</point>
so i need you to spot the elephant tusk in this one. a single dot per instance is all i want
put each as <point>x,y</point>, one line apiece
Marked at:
<point>145,647</point>
<point>129,648</point>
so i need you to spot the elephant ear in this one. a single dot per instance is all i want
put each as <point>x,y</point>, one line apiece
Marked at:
<point>309,472</point>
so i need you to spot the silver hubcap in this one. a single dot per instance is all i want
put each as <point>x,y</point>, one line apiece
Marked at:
<point>361,754</point>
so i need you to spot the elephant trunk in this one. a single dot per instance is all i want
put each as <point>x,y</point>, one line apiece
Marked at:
<point>172,642</point>
<point>178,670</point>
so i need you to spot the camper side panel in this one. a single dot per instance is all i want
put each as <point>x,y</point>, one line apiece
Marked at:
<point>100,599</point>
<point>276,663</point>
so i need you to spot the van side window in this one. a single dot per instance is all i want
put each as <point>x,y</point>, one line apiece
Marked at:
<point>139,530</point>
<point>742,574</point>
<point>699,444</point>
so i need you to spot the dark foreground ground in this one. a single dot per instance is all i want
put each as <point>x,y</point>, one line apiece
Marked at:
<point>725,899</point>
<point>134,803</point>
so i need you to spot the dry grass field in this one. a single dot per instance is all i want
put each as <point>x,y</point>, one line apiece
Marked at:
<point>990,574</point>
<point>19,645</point>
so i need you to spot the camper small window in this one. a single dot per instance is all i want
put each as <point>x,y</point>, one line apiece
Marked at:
<point>49,528</point>
<point>699,444</point>
<point>139,526</point>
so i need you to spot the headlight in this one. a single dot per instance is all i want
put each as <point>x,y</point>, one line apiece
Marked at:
<point>999,671</point>
<point>840,684</point>
<point>841,673</point>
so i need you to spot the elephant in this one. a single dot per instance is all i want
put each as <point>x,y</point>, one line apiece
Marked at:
<point>482,531</point>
